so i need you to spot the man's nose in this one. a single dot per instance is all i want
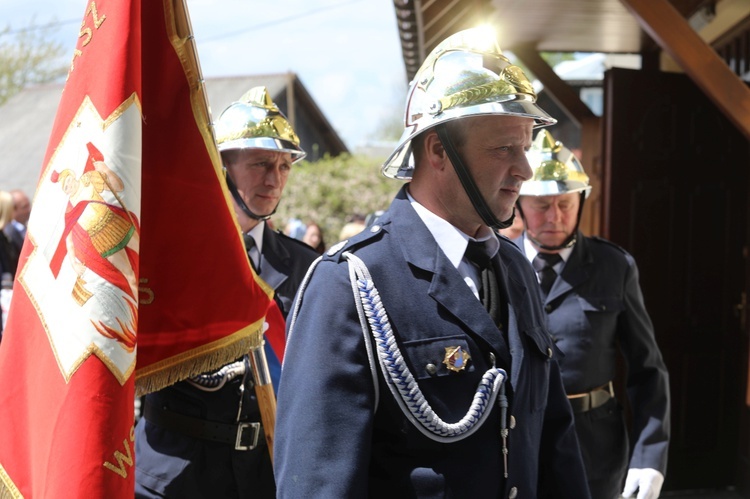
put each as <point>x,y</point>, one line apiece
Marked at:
<point>553,213</point>
<point>273,175</point>
<point>523,169</point>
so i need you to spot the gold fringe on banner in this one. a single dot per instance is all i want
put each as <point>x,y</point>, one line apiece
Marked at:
<point>8,489</point>
<point>200,360</point>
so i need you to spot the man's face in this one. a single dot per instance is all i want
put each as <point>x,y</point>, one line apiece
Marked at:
<point>21,207</point>
<point>551,219</point>
<point>260,177</point>
<point>494,151</point>
<point>70,185</point>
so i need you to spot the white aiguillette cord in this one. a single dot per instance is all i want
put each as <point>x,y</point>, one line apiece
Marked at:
<point>401,381</point>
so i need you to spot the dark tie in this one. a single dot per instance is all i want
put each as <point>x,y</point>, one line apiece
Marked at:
<point>477,254</point>
<point>489,293</point>
<point>543,263</point>
<point>249,245</point>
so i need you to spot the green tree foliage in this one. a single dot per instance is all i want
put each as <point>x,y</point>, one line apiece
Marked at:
<point>555,58</point>
<point>328,191</point>
<point>27,57</point>
<point>390,127</point>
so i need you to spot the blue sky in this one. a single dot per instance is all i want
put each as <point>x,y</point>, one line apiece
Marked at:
<point>345,52</point>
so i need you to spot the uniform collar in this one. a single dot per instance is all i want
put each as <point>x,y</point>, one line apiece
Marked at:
<point>530,251</point>
<point>257,234</point>
<point>451,240</point>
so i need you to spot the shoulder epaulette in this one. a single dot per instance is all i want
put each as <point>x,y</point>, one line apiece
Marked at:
<point>364,238</point>
<point>609,243</point>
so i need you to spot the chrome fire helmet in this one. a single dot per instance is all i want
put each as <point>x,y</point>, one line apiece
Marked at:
<point>255,122</point>
<point>465,75</point>
<point>557,171</point>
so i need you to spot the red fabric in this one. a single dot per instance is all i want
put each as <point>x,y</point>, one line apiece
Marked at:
<point>276,333</point>
<point>74,437</point>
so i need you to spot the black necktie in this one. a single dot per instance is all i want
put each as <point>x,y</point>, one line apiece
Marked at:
<point>543,263</point>
<point>489,292</point>
<point>249,245</point>
<point>476,254</point>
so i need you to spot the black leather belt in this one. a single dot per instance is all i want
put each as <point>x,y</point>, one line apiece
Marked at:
<point>597,397</point>
<point>243,435</point>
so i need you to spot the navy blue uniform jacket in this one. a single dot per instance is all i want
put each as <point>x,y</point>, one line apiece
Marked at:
<point>594,306</point>
<point>331,438</point>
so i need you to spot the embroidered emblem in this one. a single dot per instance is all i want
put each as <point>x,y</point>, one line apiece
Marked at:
<point>455,358</point>
<point>82,276</point>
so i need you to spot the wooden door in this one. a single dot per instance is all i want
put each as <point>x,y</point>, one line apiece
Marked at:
<point>676,196</point>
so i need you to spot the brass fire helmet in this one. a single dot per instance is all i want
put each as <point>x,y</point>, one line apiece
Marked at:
<point>556,170</point>
<point>256,122</point>
<point>465,75</point>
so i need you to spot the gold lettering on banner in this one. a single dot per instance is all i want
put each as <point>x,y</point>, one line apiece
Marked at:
<point>95,15</point>
<point>143,290</point>
<point>86,33</point>
<point>123,459</point>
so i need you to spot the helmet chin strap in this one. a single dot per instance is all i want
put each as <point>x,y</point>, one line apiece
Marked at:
<point>241,203</point>
<point>568,242</point>
<point>480,205</point>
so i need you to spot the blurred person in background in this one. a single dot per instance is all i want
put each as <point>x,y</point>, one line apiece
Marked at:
<point>8,257</point>
<point>314,237</point>
<point>16,229</point>
<point>8,250</point>
<point>295,229</point>
<point>354,225</point>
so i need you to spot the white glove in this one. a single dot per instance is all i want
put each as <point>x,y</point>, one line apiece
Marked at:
<point>646,481</point>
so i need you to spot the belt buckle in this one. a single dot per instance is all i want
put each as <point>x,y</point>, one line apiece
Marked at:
<point>241,427</point>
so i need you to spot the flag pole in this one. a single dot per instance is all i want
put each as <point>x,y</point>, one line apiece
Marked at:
<point>264,393</point>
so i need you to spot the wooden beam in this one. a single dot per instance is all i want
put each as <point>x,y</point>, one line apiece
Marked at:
<point>699,61</point>
<point>562,93</point>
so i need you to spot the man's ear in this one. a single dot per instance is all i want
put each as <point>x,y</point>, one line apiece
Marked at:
<point>434,150</point>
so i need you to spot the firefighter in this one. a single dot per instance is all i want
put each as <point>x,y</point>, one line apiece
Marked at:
<point>594,305</point>
<point>412,368</point>
<point>203,437</point>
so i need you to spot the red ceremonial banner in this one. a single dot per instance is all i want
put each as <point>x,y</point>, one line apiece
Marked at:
<point>133,265</point>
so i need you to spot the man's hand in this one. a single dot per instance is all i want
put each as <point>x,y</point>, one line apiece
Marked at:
<point>646,481</point>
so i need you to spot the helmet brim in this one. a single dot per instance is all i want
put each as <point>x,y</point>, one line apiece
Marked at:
<point>267,143</point>
<point>400,164</point>
<point>553,188</point>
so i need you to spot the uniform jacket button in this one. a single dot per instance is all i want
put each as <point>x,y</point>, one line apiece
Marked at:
<point>549,352</point>
<point>513,493</point>
<point>431,369</point>
<point>548,308</point>
<point>512,421</point>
